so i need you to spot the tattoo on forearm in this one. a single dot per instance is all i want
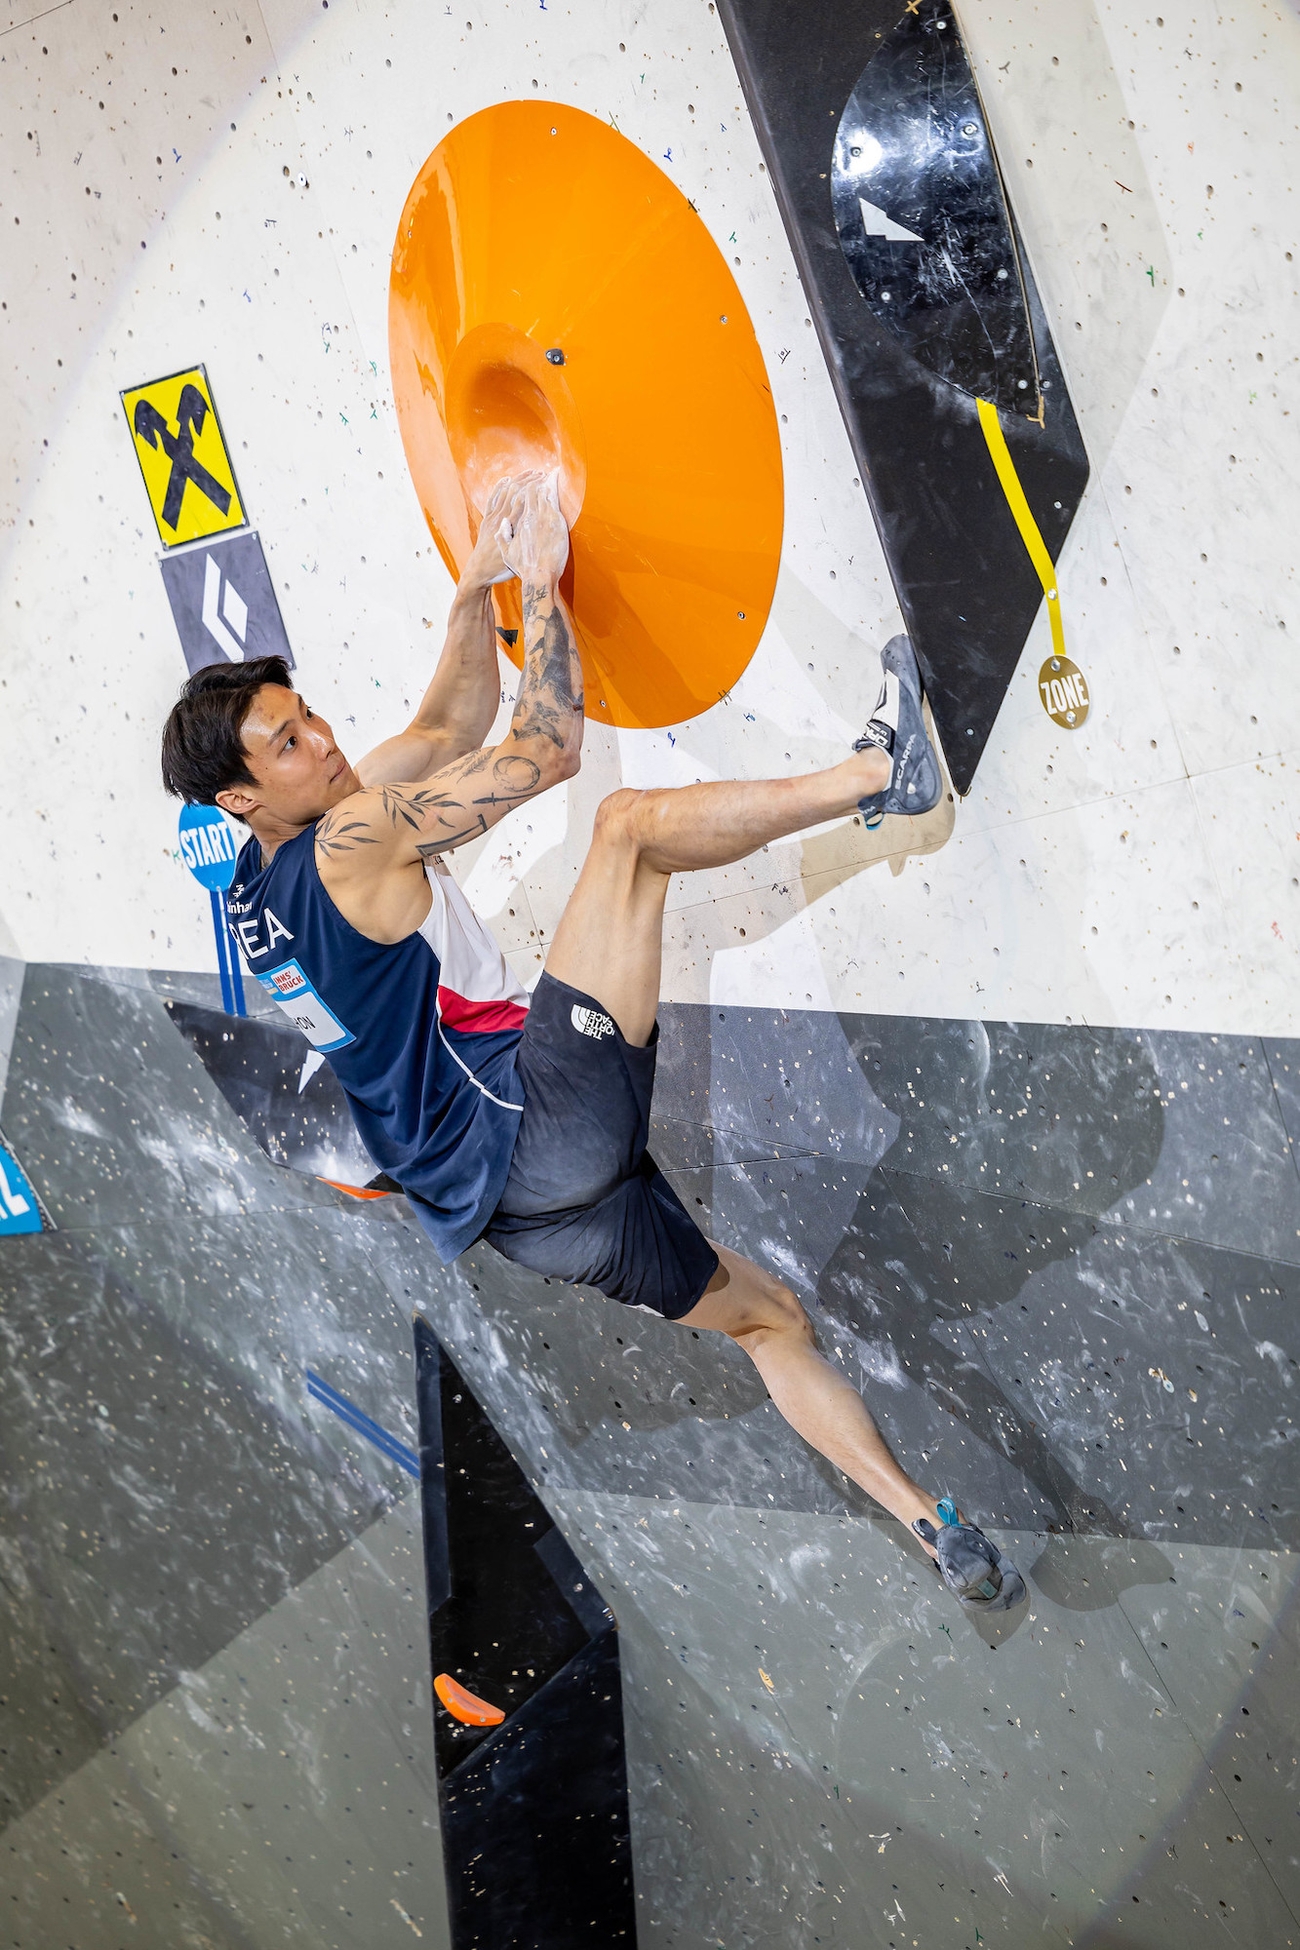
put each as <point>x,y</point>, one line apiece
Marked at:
<point>452,816</point>
<point>550,701</point>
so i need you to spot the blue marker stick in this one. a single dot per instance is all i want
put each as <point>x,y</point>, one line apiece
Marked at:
<point>208,850</point>
<point>232,980</point>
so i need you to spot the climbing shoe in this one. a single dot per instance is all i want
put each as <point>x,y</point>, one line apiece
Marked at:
<point>972,1567</point>
<point>897,728</point>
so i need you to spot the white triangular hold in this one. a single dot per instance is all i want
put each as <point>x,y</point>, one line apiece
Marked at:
<point>310,1064</point>
<point>877,224</point>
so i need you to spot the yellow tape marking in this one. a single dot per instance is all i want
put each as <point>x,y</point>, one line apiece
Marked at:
<point>1022,515</point>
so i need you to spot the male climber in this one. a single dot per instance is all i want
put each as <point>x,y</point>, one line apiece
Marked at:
<point>526,1123</point>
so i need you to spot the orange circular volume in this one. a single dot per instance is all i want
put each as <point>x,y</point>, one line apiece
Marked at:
<point>465,1706</point>
<point>557,303</point>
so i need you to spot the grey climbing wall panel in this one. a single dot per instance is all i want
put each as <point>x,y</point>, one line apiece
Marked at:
<point>214,1670</point>
<point>216,1660</point>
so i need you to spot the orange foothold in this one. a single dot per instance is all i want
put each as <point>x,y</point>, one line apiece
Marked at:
<point>465,1706</point>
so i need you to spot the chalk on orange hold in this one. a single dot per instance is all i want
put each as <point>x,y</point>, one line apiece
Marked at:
<point>464,1705</point>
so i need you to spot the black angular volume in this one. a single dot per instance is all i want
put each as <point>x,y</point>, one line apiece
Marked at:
<point>535,1830</point>
<point>917,322</point>
<point>922,216</point>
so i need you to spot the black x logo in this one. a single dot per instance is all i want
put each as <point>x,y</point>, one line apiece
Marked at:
<point>150,425</point>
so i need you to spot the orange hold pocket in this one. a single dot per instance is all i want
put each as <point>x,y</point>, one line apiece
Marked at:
<point>465,1706</point>
<point>557,302</point>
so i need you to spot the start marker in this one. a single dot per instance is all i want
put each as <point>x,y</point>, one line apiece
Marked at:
<point>209,851</point>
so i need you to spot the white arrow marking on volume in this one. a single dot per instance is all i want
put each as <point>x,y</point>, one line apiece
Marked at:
<point>235,611</point>
<point>212,623</point>
<point>877,224</point>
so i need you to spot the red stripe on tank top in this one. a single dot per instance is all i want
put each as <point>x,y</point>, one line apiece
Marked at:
<point>462,1012</point>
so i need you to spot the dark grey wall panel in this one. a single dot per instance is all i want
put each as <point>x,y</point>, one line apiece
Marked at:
<point>154,1504</point>
<point>11,984</point>
<point>283,1793</point>
<point>1164,1376</point>
<point>289,1099</point>
<point>987,1222</point>
<point>820,1752</point>
<point>766,1083</point>
<point>934,1190</point>
<point>167,1476</point>
<point>117,1120</point>
<point>276,1294</point>
<point>1283,1058</point>
<point>1174,1132</point>
<point>1228,1647</point>
<point>965,1310</point>
<point>1104,1121</point>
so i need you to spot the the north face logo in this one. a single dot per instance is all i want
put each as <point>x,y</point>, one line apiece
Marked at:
<point>590,1022</point>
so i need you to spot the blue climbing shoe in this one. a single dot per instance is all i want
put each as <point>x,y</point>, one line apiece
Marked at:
<point>898,729</point>
<point>972,1567</point>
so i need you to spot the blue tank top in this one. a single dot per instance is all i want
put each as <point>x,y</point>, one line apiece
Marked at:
<point>421,1033</point>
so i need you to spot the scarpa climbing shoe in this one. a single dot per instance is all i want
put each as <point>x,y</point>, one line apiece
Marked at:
<point>970,1564</point>
<point>897,728</point>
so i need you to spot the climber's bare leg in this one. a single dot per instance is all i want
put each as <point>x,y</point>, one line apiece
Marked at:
<point>609,941</point>
<point>764,1317</point>
<point>608,945</point>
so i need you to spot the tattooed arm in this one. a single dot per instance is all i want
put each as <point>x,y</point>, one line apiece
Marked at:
<point>457,709</point>
<point>549,704</point>
<point>372,848</point>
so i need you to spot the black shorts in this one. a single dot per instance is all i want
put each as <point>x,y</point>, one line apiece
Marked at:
<point>583,1202</point>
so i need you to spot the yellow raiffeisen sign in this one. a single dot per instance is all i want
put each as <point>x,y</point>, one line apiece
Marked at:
<point>182,453</point>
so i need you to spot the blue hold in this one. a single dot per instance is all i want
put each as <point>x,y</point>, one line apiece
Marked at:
<point>19,1211</point>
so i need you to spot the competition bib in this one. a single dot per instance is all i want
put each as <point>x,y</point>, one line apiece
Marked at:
<point>290,990</point>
